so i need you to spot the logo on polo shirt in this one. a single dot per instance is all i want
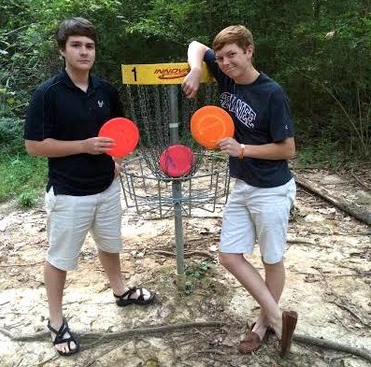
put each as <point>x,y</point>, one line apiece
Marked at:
<point>100,104</point>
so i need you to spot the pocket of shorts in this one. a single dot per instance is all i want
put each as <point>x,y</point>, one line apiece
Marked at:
<point>116,185</point>
<point>50,200</point>
<point>291,190</point>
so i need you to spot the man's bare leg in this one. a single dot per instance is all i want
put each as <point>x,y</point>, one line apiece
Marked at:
<point>112,267</point>
<point>251,280</point>
<point>55,280</point>
<point>275,281</point>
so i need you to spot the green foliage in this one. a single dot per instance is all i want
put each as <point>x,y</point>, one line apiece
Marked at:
<point>317,50</point>
<point>11,141</point>
<point>27,199</point>
<point>198,269</point>
<point>23,177</point>
<point>327,73</point>
<point>195,272</point>
<point>322,154</point>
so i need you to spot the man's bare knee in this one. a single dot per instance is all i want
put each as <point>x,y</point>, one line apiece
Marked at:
<point>274,266</point>
<point>228,260</point>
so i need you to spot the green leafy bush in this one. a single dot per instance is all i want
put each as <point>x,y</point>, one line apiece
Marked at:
<point>318,51</point>
<point>27,199</point>
<point>22,174</point>
<point>11,137</point>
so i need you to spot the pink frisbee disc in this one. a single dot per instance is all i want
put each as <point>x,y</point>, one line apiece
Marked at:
<point>176,160</point>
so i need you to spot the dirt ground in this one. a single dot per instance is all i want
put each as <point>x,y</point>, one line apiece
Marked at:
<point>328,282</point>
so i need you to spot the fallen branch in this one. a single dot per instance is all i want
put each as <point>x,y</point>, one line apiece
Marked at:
<point>364,185</point>
<point>319,342</point>
<point>209,237</point>
<point>52,358</point>
<point>355,212</point>
<point>186,254</point>
<point>337,233</point>
<point>117,335</point>
<point>343,303</point>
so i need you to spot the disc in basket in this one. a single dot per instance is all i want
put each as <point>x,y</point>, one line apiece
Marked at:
<point>176,160</point>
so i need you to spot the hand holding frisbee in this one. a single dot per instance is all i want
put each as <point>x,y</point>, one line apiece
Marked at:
<point>125,134</point>
<point>176,160</point>
<point>209,124</point>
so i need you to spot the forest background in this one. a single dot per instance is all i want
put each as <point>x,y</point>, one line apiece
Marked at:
<point>319,51</point>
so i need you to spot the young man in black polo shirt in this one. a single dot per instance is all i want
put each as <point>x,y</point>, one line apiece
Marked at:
<point>259,205</point>
<point>62,123</point>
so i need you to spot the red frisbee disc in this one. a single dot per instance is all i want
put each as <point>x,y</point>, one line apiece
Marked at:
<point>176,160</point>
<point>209,124</point>
<point>125,134</point>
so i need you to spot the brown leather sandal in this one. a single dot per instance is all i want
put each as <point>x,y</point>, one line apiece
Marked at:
<point>252,342</point>
<point>289,320</point>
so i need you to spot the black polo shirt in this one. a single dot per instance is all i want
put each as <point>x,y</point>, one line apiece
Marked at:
<point>62,111</point>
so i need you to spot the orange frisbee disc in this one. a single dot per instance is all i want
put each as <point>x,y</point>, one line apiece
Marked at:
<point>176,160</point>
<point>209,124</point>
<point>125,134</point>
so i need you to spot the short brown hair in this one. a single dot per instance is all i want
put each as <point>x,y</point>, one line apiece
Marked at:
<point>237,34</point>
<point>74,27</point>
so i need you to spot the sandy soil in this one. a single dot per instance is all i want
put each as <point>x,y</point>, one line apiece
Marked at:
<point>328,283</point>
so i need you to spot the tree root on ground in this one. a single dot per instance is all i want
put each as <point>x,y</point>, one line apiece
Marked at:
<point>327,344</point>
<point>95,338</point>
<point>89,337</point>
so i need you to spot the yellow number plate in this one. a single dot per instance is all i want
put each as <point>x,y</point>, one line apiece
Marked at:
<point>160,73</point>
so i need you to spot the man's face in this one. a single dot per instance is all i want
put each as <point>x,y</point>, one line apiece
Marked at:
<point>79,53</point>
<point>234,60</point>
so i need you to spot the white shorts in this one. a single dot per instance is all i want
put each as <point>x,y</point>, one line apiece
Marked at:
<point>262,214</point>
<point>70,218</point>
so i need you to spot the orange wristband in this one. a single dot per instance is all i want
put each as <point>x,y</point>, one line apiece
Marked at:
<point>242,152</point>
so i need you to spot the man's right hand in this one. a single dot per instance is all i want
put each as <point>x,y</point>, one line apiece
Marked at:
<point>191,83</point>
<point>98,145</point>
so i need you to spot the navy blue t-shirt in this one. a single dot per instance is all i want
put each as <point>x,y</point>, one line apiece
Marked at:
<point>62,111</point>
<point>261,115</point>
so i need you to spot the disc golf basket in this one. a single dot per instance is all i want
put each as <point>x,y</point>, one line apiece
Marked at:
<point>162,113</point>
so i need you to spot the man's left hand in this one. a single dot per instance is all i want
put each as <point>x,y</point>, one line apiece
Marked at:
<point>230,146</point>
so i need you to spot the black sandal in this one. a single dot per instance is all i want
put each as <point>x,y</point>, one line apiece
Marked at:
<point>59,339</point>
<point>127,299</point>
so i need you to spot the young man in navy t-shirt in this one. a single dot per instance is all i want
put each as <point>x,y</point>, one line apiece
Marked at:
<point>63,120</point>
<point>259,206</point>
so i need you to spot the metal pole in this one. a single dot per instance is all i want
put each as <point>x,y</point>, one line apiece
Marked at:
<point>177,190</point>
